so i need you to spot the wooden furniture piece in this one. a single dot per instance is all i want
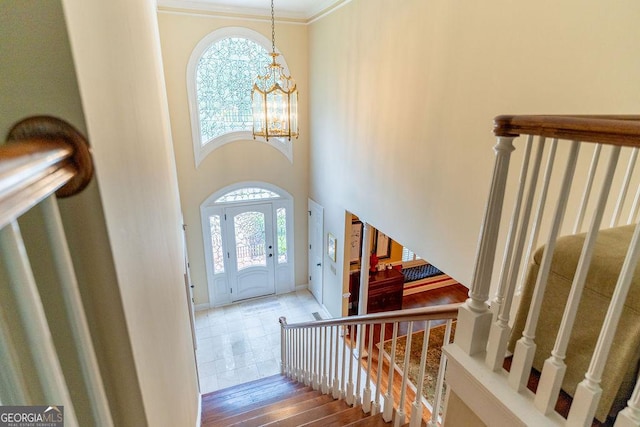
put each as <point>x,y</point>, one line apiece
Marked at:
<point>385,291</point>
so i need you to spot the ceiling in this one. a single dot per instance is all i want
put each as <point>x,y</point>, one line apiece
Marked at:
<point>291,9</point>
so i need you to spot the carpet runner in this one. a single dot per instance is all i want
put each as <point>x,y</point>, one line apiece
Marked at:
<point>419,272</point>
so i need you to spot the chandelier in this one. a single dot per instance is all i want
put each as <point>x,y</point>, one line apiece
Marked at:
<point>274,99</point>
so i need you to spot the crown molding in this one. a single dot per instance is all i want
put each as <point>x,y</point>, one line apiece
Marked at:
<point>318,8</point>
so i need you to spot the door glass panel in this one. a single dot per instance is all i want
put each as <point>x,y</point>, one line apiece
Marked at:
<point>250,239</point>
<point>216,244</point>
<point>281,221</point>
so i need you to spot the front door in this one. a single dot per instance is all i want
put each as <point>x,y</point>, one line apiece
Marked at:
<point>249,230</point>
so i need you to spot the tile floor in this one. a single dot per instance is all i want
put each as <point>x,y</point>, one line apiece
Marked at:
<point>241,342</point>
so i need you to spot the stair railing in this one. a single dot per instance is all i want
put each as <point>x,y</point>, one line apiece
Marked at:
<point>565,195</point>
<point>43,157</point>
<point>342,356</point>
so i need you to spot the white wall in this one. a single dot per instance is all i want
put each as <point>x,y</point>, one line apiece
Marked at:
<point>241,160</point>
<point>403,95</point>
<point>116,50</point>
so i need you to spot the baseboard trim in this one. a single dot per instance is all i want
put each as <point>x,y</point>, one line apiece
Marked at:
<point>301,287</point>
<point>199,415</point>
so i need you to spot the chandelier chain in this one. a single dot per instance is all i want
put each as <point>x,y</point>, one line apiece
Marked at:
<point>273,29</point>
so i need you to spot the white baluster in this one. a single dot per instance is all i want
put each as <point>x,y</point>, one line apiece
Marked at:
<point>343,385</point>
<point>498,299</point>
<point>34,321</point>
<point>587,189</point>
<point>542,202</point>
<point>13,384</point>
<point>526,347</point>
<point>375,407</point>
<point>330,373</point>
<point>615,218</point>
<point>350,396</point>
<point>315,382</point>
<point>336,378</point>
<point>630,416</point>
<point>308,376</point>
<point>500,331</point>
<point>554,367</point>
<point>361,329</point>
<point>366,396</point>
<point>588,392</point>
<point>416,407</point>
<point>387,414</point>
<point>75,311</point>
<point>437,400</point>
<point>474,317</point>
<point>633,214</point>
<point>401,414</point>
<point>324,383</point>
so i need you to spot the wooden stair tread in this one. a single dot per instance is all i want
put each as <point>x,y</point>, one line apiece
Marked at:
<point>339,419</point>
<point>311,414</point>
<point>222,416</point>
<point>252,396</point>
<point>249,387</point>
<point>279,411</point>
<point>372,420</point>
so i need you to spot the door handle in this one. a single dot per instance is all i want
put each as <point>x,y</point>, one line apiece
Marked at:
<point>270,246</point>
<point>270,255</point>
<point>318,264</point>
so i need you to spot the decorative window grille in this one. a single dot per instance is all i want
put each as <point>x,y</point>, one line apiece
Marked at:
<point>216,244</point>
<point>247,194</point>
<point>220,75</point>
<point>224,78</point>
<point>281,234</point>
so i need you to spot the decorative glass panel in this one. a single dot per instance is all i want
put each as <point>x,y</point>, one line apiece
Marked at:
<point>281,225</point>
<point>224,78</point>
<point>250,240</point>
<point>216,244</point>
<point>245,194</point>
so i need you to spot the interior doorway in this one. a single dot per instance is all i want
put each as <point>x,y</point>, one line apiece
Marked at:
<point>247,230</point>
<point>316,249</point>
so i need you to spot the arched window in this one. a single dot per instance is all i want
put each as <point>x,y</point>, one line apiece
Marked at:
<point>220,76</point>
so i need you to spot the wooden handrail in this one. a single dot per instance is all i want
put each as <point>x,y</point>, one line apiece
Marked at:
<point>437,312</point>
<point>42,155</point>
<point>621,130</point>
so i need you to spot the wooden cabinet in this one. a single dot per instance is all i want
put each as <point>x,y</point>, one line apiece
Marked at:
<point>385,291</point>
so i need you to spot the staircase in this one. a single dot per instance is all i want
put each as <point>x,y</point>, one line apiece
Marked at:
<point>278,400</point>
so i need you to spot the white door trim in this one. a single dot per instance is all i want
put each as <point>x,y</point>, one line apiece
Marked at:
<point>316,250</point>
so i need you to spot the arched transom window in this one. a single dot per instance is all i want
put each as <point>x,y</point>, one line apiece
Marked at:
<point>221,73</point>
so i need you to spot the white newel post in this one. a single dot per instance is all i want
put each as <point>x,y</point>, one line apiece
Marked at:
<point>474,317</point>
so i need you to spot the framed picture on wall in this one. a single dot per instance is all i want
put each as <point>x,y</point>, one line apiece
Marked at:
<point>331,247</point>
<point>355,242</point>
<point>382,245</point>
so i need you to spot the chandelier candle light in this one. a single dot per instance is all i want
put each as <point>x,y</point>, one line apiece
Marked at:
<point>274,99</point>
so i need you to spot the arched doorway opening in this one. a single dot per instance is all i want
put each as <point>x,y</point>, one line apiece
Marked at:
<point>248,241</point>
